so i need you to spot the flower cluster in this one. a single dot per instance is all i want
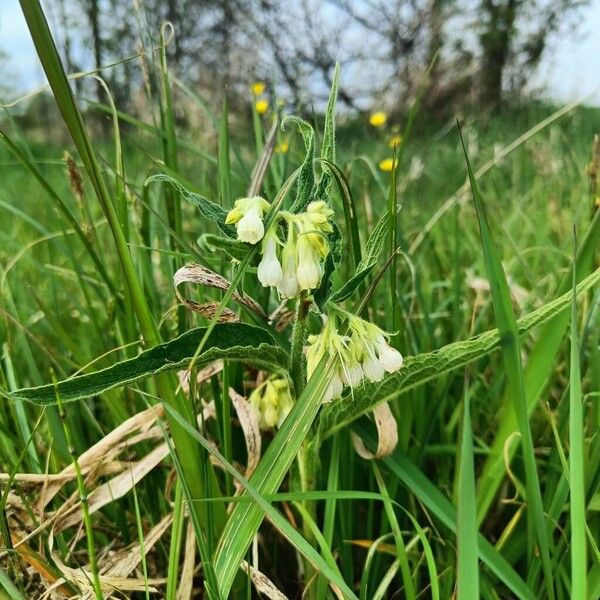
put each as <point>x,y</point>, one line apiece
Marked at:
<point>298,265</point>
<point>272,401</point>
<point>363,353</point>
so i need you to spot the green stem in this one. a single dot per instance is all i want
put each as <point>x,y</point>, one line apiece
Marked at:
<point>297,369</point>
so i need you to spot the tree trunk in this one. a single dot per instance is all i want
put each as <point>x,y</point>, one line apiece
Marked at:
<point>496,41</point>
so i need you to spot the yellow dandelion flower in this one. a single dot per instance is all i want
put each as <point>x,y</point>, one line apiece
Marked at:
<point>258,87</point>
<point>396,140</point>
<point>261,106</point>
<point>282,148</point>
<point>378,119</point>
<point>387,164</point>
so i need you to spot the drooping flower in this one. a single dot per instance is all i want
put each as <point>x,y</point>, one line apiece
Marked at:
<point>288,286</point>
<point>387,164</point>
<point>272,401</point>
<point>261,106</point>
<point>257,88</point>
<point>378,119</point>
<point>308,271</point>
<point>269,270</point>
<point>247,215</point>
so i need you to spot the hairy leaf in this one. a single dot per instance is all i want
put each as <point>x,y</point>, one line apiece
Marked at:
<point>208,209</point>
<point>306,178</point>
<point>368,261</point>
<point>235,341</point>
<point>419,369</point>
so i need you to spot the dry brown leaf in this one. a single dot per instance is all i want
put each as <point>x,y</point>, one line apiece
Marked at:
<point>115,488</point>
<point>185,589</point>
<point>249,422</point>
<point>197,274</point>
<point>387,431</point>
<point>203,375</point>
<point>262,583</point>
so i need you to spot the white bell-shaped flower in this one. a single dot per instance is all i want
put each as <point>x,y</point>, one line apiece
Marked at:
<point>309,268</point>
<point>250,227</point>
<point>334,389</point>
<point>351,374</point>
<point>391,360</point>
<point>269,270</point>
<point>288,286</point>
<point>373,369</point>
<point>247,215</point>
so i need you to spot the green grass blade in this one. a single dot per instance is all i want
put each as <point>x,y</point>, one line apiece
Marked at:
<point>540,365</point>
<point>576,464</point>
<point>246,519</point>
<point>511,352</point>
<point>425,367</point>
<point>414,480</point>
<point>265,507</point>
<point>468,561</point>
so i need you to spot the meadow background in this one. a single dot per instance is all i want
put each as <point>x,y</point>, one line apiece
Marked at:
<point>485,479</point>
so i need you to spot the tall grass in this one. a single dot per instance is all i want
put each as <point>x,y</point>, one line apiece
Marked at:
<point>492,488</point>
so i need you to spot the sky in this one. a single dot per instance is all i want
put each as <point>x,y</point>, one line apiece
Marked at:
<point>570,71</point>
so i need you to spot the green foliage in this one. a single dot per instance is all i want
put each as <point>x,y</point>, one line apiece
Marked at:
<point>234,341</point>
<point>87,288</point>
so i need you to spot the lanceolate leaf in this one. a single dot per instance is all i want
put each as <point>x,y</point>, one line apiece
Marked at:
<point>368,261</point>
<point>419,369</point>
<point>235,248</point>
<point>306,178</point>
<point>208,209</point>
<point>328,146</point>
<point>235,341</point>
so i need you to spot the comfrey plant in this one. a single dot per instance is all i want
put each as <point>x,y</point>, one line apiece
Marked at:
<point>294,267</point>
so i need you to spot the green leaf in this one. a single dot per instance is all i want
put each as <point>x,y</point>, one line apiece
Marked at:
<point>233,341</point>
<point>208,209</point>
<point>328,145</point>
<point>414,479</point>
<point>539,369</point>
<point>235,248</point>
<point>327,567</point>
<point>369,260</point>
<point>511,354</point>
<point>266,479</point>
<point>306,178</point>
<point>578,544</point>
<point>421,368</point>
<point>467,579</point>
